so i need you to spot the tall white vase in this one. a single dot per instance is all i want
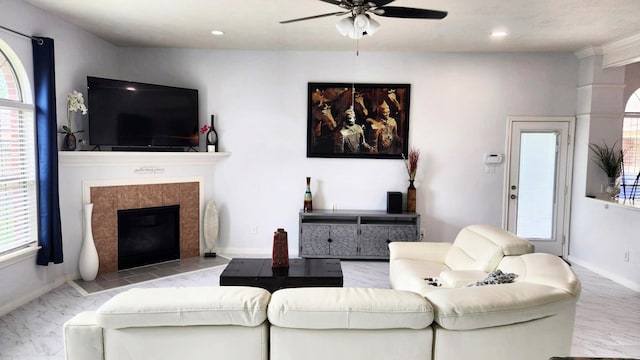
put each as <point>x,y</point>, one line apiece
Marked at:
<point>210,225</point>
<point>88,254</point>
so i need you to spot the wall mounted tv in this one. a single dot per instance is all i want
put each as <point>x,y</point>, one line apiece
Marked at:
<point>135,116</point>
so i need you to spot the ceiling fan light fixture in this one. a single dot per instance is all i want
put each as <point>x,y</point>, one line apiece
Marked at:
<point>358,26</point>
<point>345,26</point>
<point>373,27</point>
<point>361,22</point>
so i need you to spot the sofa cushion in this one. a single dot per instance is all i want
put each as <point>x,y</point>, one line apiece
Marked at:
<point>349,308</point>
<point>228,305</point>
<point>545,287</point>
<point>460,278</point>
<point>481,247</point>
<point>541,268</point>
<point>407,274</point>
<point>470,308</point>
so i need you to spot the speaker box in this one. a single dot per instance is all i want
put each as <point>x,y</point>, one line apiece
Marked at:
<point>394,202</point>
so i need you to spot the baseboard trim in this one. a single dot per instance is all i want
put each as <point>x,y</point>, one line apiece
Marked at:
<point>611,276</point>
<point>16,303</point>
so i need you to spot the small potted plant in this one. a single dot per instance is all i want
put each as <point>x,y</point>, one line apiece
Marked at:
<point>610,160</point>
<point>75,103</point>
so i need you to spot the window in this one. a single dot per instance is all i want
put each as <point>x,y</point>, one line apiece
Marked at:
<point>631,148</point>
<point>18,206</point>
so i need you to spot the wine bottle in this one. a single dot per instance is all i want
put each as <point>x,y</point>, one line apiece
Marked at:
<point>212,138</point>
<point>308,206</point>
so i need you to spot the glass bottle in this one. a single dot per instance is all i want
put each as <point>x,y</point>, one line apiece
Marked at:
<point>212,138</point>
<point>307,197</point>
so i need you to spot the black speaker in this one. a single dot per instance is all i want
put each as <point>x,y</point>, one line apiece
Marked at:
<point>394,202</point>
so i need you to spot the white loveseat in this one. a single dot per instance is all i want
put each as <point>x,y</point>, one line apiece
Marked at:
<point>531,318</point>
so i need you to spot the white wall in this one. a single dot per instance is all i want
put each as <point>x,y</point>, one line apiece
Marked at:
<point>601,232</point>
<point>76,53</point>
<point>459,107</point>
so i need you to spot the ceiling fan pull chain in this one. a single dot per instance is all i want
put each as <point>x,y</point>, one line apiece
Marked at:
<point>353,83</point>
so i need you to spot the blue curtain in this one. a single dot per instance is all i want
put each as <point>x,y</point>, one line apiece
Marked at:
<point>49,230</point>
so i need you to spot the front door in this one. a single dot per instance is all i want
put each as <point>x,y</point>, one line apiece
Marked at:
<point>537,193</point>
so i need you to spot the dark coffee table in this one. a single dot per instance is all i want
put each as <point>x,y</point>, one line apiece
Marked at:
<point>301,273</point>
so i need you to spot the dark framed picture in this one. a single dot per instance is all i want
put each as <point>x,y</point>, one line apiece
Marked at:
<point>347,120</point>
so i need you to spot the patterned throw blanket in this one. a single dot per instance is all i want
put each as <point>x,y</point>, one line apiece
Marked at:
<point>496,277</point>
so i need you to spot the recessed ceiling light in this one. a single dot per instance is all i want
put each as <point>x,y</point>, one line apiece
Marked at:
<point>217,32</point>
<point>496,34</point>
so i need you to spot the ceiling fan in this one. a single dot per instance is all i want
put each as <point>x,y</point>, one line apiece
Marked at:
<point>360,23</point>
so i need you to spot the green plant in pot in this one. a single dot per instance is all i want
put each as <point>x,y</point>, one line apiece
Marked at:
<point>610,160</point>
<point>75,103</point>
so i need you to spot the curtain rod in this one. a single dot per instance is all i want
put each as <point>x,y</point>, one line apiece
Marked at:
<point>40,41</point>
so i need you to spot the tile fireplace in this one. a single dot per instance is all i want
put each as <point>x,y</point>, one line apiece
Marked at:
<point>108,200</point>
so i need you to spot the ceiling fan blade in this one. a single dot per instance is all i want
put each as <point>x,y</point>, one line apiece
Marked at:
<point>334,2</point>
<point>381,2</point>
<point>338,13</point>
<point>411,13</point>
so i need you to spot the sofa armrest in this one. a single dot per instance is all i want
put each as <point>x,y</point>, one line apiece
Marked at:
<point>83,338</point>
<point>469,308</point>
<point>428,251</point>
<point>186,306</point>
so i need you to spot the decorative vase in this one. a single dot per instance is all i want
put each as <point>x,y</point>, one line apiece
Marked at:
<point>88,262</point>
<point>280,252</point>
<point>212,138</point>
<point>411,197</point>
<point>211,227</point>
<point>308,199</point>
<point>612,188</point>
<point>69,142</point>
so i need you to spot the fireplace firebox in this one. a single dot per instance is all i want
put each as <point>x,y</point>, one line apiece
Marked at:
<point>148,236</point>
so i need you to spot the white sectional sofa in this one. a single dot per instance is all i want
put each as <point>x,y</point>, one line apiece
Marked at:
<point>532,317</point>
<point>441,318</point>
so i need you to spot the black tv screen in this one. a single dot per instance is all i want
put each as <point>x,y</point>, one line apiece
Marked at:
<point>131,114</point>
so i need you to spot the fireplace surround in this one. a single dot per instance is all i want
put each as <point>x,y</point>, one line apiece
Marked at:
<point>108,198</point>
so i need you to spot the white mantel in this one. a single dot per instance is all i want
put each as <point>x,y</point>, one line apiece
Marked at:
<point>120,158</point>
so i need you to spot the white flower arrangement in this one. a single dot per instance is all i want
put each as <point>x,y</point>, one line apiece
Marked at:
<point>75,103</point>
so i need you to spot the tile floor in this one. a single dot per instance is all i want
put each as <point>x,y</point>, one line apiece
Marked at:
<point>138,275</point>
<point>607,320</point>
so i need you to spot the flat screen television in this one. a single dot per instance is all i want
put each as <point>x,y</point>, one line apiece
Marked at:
<point>131,115</point>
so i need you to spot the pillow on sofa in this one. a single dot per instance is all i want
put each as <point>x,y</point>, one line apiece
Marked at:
<point>496,277</point>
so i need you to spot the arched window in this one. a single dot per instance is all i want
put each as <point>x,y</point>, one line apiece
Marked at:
<point>18,206</point>
<point>631,147</point>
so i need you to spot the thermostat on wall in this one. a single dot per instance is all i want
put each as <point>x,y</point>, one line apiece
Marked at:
<point>493,158</point>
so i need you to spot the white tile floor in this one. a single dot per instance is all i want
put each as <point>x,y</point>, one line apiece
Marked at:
<point>607,321</point>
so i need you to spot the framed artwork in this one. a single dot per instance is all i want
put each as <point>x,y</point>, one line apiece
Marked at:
<point>347,120</point>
